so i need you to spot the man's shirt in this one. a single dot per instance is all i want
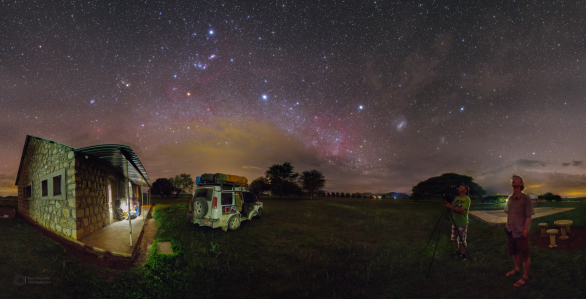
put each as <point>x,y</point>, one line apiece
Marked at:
<point>518,209</point>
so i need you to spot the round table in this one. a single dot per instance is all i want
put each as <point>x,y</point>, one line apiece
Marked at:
<point>564,224</point>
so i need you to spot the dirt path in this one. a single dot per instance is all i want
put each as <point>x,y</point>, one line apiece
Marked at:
<point>150,230</point>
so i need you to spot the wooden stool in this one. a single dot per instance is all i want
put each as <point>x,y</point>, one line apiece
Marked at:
<point>564,224</point>
<point>543,226</point>
<point>552,233</point>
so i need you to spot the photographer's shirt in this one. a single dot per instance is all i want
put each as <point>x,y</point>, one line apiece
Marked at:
<point>518,209</point>
<point>461,203</point>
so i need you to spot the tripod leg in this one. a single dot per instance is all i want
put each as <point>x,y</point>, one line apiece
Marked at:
<point>440,219</point>
<point>433,256</point>
<point>459,237</point>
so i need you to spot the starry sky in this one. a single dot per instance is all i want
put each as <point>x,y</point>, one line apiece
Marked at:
<point>378,95</point>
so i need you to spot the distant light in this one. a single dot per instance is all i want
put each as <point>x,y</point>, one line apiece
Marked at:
<point>211,31</point>
<point>360,107</point>
<point>462,109</point>
<point>264,97</point>
<point>189,93</point>
<point>92,101</point>
<point>534,153</point>
<point>174,76</point>
<point>143,125</point>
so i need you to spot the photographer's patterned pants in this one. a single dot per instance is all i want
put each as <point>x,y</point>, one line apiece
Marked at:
<point>461,230</point>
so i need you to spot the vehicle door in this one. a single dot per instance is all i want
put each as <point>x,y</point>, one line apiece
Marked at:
<point>249,202</point>
<point>227,203</point>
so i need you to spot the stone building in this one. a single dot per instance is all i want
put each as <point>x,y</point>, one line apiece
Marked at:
<point>71,191</point>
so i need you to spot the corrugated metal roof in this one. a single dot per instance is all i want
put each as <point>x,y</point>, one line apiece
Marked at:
<point>117,155</point>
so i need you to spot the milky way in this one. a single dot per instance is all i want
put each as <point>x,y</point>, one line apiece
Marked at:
<point>378,95</point>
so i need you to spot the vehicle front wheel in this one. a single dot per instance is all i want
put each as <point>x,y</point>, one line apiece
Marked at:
<point>234,223</point>
<point>258,213</point>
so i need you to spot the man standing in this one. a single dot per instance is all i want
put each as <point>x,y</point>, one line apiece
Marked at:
<point>460,208</point>
<point>519,209</point>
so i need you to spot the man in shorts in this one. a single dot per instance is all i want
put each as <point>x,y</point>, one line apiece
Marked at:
<point>519,208</point>
<point>460,207</point>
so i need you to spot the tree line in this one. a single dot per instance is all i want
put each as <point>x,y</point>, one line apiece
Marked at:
<point>282,180</point>
<point>165,187</point>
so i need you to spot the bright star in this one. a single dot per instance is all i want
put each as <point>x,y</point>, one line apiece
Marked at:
<point>211,31</point>
<point>360,107</point>
<point>264,97</point>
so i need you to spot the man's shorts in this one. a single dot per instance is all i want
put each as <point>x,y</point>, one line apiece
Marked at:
<point>461,230</point>
<point>518,246</point>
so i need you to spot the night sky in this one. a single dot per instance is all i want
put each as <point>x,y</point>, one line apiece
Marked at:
<point>377,95</point>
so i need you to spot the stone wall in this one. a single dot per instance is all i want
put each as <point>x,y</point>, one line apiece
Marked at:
<point>92,193</point>
<point>44,157</point>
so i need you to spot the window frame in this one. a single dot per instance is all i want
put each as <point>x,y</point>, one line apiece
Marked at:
<point>49,178</point>
<point>231,199</point>
<point>44,188</point>
<point>30,187</point>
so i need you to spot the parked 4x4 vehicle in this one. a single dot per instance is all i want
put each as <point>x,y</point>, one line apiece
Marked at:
<point>222,204</point>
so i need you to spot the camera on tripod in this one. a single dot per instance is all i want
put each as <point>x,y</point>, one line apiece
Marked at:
<point>453,191</point>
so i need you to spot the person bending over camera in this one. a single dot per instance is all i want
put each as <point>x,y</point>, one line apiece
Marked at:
<point>459,209</point>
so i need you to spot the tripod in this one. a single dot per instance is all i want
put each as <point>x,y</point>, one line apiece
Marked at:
<point>447,216</point>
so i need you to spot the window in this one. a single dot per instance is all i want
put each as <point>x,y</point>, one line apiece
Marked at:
<point>44,188</point>
<point>227,199</point>
<point>248,197</point>
<point>57,185</point>
<point>53,185</point>
<point>204,192</point>
<point>27,191</point>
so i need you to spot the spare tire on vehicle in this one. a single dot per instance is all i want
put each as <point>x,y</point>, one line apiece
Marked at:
<point>200,207</point>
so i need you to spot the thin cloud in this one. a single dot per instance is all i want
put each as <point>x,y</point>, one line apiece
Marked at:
<point>530,163</point>
<point>251,167</point>
<point>573,163</point>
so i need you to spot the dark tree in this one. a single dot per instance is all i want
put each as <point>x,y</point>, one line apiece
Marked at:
<point>182,182</point>
<point>312,180</point>
<point>163,187</point>
<point>347,195</point>
<point>447,183</point>
<point>353,195</point>
<point>288,188</point>
<point>278,175</point>
<point>259,186</point>
<point>551,197</point>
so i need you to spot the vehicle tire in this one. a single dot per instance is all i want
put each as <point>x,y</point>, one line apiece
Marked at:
<point>258,213</point>
<point>200,207</point>
<point>234,223</point>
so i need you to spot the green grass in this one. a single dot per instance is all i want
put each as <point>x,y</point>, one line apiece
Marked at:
<point>301,248</point>
<point>169,201</point>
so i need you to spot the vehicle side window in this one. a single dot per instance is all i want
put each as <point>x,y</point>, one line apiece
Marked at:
<point>248,197</point>
<point>227,199</point>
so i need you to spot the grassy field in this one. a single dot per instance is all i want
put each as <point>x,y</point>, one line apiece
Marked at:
<point>325,248</point>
